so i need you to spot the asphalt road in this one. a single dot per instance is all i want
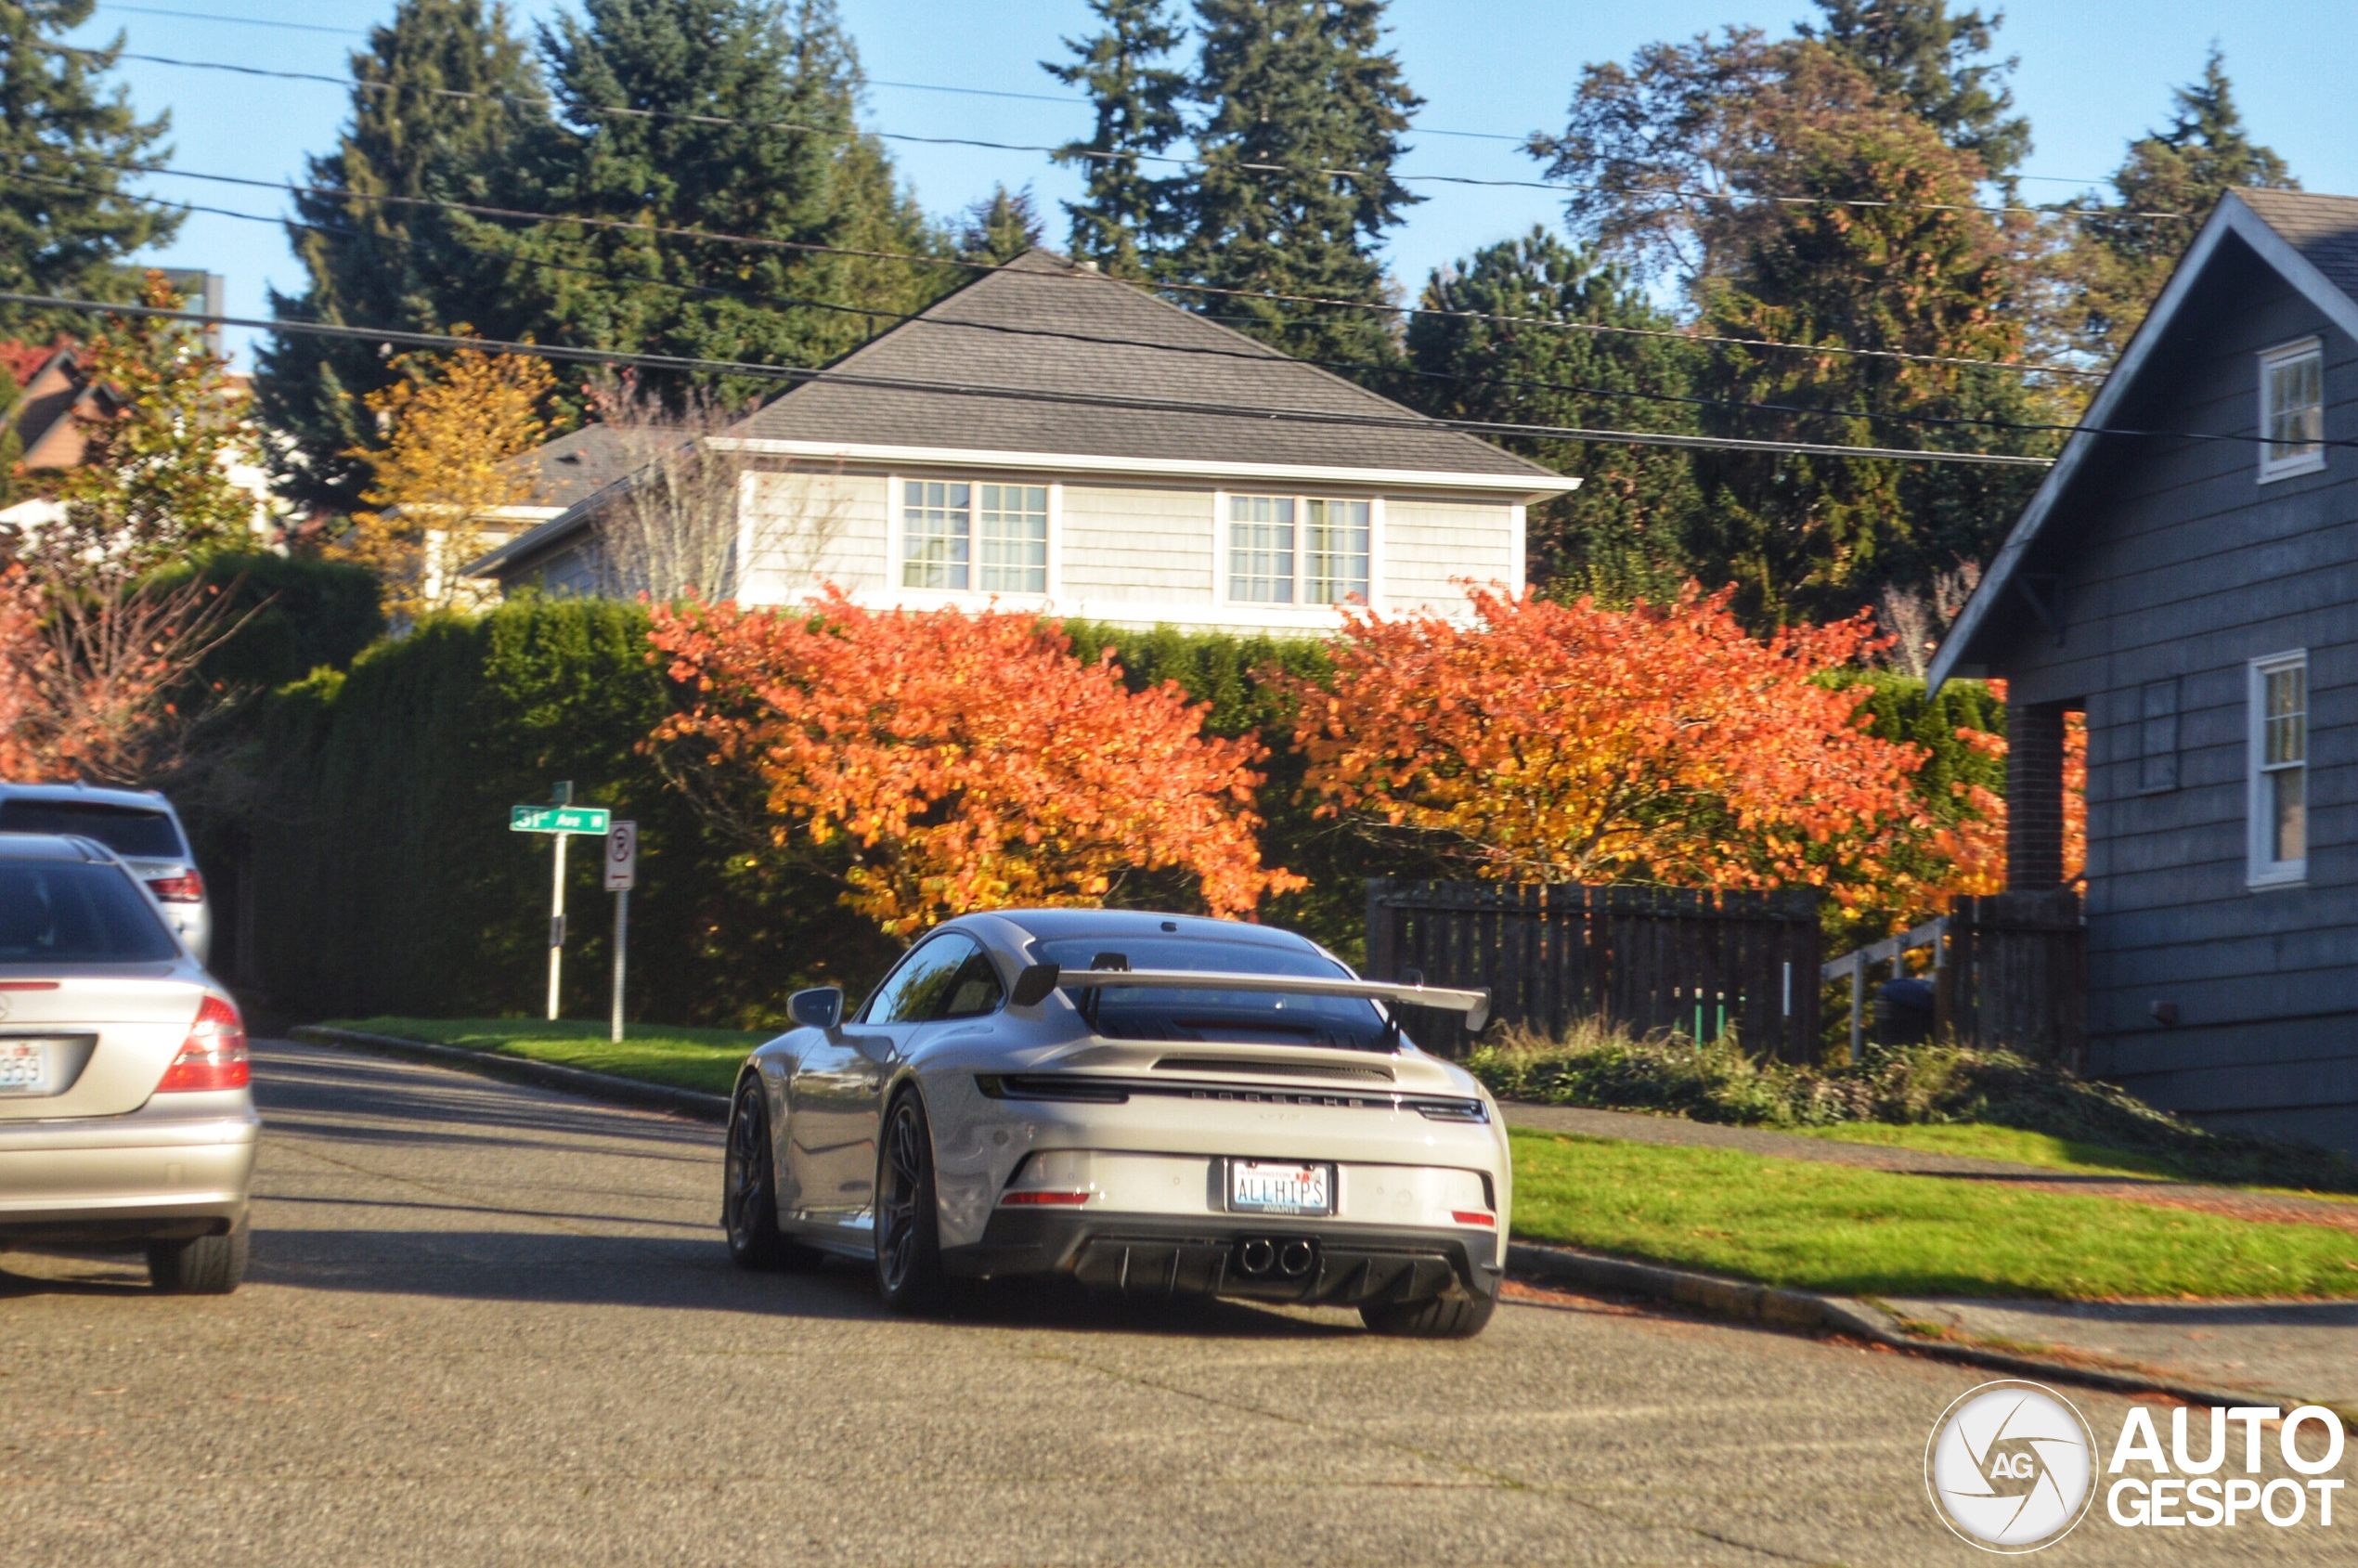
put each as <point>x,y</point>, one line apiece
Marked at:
<point>488,1323</point>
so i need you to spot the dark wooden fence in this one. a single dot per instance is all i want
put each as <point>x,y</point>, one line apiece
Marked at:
<point>2014,974</point>
<point>1701,962</point>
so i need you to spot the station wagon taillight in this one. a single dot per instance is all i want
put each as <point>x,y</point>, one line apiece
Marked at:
<point>185,888</point>
<point>213,1056</point>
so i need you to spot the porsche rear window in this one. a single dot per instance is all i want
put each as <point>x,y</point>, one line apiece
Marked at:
<point>73,911</point>
<point>1243,1018</point>
<point>146,835</point>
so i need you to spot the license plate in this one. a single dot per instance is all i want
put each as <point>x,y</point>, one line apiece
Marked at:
<point>24,1067</point>
<point>1269,1186</point>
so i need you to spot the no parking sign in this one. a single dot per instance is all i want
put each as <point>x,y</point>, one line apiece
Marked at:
<point>622,857</point>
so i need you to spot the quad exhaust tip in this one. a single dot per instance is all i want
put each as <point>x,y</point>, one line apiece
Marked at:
<point>1260,1255</point>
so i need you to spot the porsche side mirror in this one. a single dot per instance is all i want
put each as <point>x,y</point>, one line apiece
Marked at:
<point>820,1008</point>
<point>1034,983</point>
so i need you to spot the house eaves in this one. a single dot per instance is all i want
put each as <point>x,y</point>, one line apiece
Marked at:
<point>2233,218</point>
<point>1526,487</point>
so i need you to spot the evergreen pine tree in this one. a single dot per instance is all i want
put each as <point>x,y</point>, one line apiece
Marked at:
<point>1124,222</point>
<point>1932,61</point>
<point>379,263</point>
<point>1000,228</point>
<point>66,223</point>
<point>1302,117</point>
<point>2118,261</point>
<point>1622,535</point>
<point>741,120</point>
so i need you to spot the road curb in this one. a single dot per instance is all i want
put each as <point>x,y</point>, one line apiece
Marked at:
<point>519,1069</point>
<point>1746,1302</point>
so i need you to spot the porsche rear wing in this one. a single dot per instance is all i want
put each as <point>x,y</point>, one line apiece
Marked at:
<point>1038,981</point>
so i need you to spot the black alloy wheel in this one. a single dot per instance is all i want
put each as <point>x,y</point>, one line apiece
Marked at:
<point>750,1185</point>
<point>909,1274</point>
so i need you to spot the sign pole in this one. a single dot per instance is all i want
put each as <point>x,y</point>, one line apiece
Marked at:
<point>557,925</point>
<point>621,951</point>
<point>622,874</point>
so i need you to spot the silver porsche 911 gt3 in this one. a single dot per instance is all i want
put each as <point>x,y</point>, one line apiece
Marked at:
<point>1155,1105</point>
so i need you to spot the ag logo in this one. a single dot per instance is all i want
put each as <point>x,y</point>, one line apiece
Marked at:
<point>2010,1467</point>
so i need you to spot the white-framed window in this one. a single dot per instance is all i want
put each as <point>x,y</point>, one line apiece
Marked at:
<point>958,534</point>
<point>2279,768</point>
<point>1014,520</point>
<point>1298,549</point>
<point>2292,410</point>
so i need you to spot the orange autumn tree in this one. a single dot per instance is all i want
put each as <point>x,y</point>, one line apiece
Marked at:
<point>954,762</point>
<point>1568,743</point>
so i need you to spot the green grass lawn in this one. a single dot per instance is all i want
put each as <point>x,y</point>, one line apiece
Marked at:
<point>1984,1142</point>
<point>685,1058</point>
<point>1853,1232</point>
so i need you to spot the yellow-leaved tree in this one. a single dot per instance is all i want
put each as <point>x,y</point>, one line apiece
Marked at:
<point>450,424</point>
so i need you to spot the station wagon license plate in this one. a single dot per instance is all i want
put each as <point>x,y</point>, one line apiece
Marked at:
<point>1272,1187</point>
<point>24,1067</point>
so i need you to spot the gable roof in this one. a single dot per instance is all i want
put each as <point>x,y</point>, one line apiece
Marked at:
<point>577,466</point>
<point>2309,240</point>
<point>1023,349</point>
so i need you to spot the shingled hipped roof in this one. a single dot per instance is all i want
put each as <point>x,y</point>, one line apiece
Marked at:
<point>1041,327</point>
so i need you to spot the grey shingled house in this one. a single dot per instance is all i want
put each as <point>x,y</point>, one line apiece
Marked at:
<point>1047,436</point>
<point>2195,592</point>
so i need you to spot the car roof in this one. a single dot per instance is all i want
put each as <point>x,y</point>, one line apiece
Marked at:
<point>1050,925</point>
<point>52,847</point>
<point>96,795</point>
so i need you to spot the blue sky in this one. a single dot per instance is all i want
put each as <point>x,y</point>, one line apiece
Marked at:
<point>2093,74</point>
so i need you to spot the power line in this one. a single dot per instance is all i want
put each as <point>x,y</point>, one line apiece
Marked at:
<point>799,375</point>
<point>1069,149</point>
<point>1345,367</point>
<point>811,247</point>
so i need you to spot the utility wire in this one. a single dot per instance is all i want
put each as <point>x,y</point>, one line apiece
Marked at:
<point>1350,368</point>
<point>1073,150</point>
<point>1405,420</point>
<point>809,247</point>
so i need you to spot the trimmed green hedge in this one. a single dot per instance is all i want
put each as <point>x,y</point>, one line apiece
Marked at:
<point>388,879</point>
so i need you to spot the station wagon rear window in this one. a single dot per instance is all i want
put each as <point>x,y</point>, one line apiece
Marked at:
<point>147,836</point>
<point>1243,1018</point>
<point>73,911</point>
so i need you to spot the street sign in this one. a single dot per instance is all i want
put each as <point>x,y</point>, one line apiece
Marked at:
<point>560,819</point>
<point>622,858</point>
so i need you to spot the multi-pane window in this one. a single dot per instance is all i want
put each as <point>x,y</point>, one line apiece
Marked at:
<point>949,530</point>
<point>935,530</point>
<point>1261,549</point>
<point>2280,768</point>
<point>2292,410</point>
<point>1015,539</point>
<point>1295,550</point>
<point>1334,565</point>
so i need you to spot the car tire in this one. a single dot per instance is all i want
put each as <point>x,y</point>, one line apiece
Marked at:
<point>207,1265</point>
<point>909,1273</point>
<point>750,1185</point>
<point>1436,1317</point>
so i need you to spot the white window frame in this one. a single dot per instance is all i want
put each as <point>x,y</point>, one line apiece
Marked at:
<point>973,596</point>
<point>2266,871</point>
<point>2274,463</point>
<point>1224,557</point>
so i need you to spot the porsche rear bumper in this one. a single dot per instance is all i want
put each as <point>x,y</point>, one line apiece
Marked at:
<point>1165,1255</point>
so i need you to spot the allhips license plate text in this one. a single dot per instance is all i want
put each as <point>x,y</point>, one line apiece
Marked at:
<point>1265,1187</point>
<point>24,1067</point>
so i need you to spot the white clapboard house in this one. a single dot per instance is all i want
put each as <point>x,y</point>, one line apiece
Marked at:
<point>1049,437</point>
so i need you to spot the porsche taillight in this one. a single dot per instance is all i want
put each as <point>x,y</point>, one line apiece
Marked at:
<point>213,1056</point>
